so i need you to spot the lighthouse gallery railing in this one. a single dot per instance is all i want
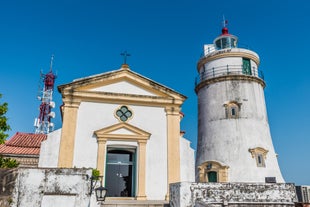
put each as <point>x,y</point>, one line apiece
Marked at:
<point>226,71</point>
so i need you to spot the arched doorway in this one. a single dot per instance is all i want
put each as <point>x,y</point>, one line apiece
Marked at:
<point>120,172</point>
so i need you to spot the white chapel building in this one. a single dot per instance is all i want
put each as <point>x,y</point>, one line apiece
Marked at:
<point>128,127</point>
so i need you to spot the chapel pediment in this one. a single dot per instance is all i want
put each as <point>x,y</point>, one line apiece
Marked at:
<point>122,82</point>
<point>122,131</point>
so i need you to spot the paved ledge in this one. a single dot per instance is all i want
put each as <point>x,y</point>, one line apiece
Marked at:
<point>132,203</point>
<point>188,194</point>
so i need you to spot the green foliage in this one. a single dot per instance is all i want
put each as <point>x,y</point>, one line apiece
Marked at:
<point>10,200</point>
<point>96,174</point>
<point>8,162</point>
<point>3,122</point>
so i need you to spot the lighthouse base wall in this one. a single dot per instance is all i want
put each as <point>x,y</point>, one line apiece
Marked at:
<point>186,194</point>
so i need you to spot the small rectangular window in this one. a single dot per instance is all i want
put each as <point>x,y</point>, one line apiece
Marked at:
<point>260,160</point>
<point>233,112</point>
<point>259,157</point>
<point>246,66</point>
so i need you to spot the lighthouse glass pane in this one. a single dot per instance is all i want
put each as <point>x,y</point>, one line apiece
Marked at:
<point>218,44</point>
<point>233,43</point>
<point>225,43</point>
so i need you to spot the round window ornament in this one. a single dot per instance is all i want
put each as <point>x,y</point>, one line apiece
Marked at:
<point>123,113</point>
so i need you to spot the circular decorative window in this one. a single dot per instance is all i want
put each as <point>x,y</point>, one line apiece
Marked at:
<point>123,113</point>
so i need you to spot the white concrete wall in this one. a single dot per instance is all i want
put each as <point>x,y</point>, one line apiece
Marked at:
<point>187,158</point>
<point>49,150</point>
<point>95,116</point>
<point>228,140</point>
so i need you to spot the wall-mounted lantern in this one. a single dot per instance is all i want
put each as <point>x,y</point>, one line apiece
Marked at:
<point>100,191</point>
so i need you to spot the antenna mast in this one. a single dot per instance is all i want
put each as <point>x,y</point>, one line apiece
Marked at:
<point>225,22</point>
<point>43,124</point>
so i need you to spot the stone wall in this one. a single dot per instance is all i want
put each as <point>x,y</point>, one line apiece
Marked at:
<point>232,194</point>
<point>25,160</point>
<point>7,183</point>
<point>35,187</point>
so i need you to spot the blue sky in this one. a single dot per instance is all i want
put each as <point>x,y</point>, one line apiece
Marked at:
<point>165,40</point>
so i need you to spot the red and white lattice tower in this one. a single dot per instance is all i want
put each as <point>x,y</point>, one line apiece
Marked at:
<point>43,124</point>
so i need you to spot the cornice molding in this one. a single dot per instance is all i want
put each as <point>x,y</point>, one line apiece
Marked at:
<point>76,97</point>
<point>229,78</point>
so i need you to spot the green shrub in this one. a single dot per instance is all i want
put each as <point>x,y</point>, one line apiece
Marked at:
<point>95,174</point>
<point>8,163</point>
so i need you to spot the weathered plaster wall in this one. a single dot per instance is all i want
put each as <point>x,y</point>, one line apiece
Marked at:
<point>228,140</point>
<point>51,187</point>
<point>188,194</point>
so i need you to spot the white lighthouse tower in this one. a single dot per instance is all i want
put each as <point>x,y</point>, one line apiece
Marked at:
<point>234,141</point>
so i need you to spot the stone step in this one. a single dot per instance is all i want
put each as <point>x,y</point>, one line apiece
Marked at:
<point>132,203</point>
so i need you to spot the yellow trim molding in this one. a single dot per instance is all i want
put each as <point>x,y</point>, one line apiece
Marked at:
<point>258,150</point>
<point>67,140</point>
<point>173,144</point>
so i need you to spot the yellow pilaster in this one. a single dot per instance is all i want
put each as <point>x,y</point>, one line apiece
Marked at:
<point>141,170</point>
<point>101,155</point>
<point>173,145</point>
<point>66,150</point>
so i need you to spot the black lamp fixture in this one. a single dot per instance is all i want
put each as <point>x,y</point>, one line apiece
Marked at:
<point>100,191</point>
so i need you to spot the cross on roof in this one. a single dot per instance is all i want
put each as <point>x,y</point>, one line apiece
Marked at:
<point>125,54</point>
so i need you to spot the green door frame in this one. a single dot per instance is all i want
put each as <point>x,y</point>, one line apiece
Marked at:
<point>134,152</point>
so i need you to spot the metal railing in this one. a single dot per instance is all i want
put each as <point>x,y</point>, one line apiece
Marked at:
<point>226,71</point>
